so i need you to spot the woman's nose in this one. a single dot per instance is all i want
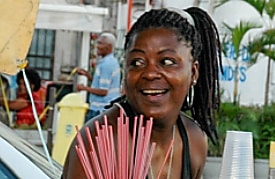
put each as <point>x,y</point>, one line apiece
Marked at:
<point>151,72</point>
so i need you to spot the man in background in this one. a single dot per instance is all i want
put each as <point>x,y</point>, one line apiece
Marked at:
<point>105,85</point>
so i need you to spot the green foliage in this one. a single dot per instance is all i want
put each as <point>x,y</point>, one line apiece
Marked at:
<point>220,3</point>
<point>270,8</point>
<point>238,32</point>
<point>262,45</point>
<point>259,5</point>
<point>259,121</point>
<point>266,121</point>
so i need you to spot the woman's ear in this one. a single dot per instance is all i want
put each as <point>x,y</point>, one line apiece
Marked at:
<point>195,72</point>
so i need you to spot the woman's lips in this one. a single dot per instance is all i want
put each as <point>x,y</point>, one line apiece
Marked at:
<point>154,95</point>
<point>153,92</point>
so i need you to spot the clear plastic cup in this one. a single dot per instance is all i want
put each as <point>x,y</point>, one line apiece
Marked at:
<point>238,160</point>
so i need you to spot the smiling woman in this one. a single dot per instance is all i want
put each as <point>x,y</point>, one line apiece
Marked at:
<point>157,76</point>
<point>171,65</point>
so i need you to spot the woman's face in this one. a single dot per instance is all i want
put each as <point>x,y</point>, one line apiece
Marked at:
<point>22,90</point>
<point>158,73</point>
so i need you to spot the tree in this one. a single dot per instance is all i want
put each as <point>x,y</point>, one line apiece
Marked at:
<point>265,43</point>
<point>260,44</point>
<point>236,35</point>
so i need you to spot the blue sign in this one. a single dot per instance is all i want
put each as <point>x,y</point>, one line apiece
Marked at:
<point>229,71</point>
<point>230,52</point>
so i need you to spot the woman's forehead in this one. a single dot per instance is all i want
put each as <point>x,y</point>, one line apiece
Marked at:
<point>157,38</point>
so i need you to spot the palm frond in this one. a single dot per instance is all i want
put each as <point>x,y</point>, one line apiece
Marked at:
<point>239,32</point>
<point>259,5</point>
<point>262,45</point>
<point>221,3</point>
<point>270,8</point>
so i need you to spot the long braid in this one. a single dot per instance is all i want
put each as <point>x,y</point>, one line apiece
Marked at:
<point>207,96</point>
<point>206,49</point>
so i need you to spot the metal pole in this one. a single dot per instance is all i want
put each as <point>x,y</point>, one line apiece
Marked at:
<point>51,104</point>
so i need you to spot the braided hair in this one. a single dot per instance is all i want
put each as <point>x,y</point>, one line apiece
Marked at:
<point>206,49</point>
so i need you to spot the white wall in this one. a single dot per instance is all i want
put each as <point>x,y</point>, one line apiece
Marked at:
<point>252,86</point>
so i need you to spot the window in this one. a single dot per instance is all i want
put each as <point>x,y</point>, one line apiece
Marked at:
<point>41,53</point>
<point>5,172</point>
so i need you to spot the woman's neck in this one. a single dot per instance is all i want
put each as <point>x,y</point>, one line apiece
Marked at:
<point>163,136</point>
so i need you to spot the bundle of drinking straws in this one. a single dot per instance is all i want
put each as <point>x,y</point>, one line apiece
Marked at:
<point>120,159</point>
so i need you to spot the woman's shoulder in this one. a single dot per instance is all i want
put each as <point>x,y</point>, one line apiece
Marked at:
<point>110,115</point>
<point>198,144</point>
<point>189,122</point>
<point>194,131</point>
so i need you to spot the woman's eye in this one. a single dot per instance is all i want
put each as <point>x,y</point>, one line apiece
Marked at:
<point>137,62</point>
<point>168,61</point>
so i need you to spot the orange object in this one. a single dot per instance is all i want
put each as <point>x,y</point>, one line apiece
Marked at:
<point>129,20</point>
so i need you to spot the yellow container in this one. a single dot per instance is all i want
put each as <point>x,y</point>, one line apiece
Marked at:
<point>72,112</point>
<point>272,155</point>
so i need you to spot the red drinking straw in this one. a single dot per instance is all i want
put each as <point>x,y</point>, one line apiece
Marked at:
<point>150,156</point>
<point>82,153</point>
<point>133,148</point>
<point>108,163</point>
<point>166,157</point>
<point>119,136</point>
<point>139,145</point>
<point>93,155</point>
<point>147,136</point>
<point>114,161</point>
<point>83,163</point>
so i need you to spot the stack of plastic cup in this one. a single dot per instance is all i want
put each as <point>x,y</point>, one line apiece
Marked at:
<point>238,160</point>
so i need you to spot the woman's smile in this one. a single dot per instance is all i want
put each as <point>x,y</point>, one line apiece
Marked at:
<point>154,95</point>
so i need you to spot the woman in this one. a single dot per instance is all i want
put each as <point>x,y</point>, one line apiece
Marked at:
<point>171,65</point>
<point>22,104</point>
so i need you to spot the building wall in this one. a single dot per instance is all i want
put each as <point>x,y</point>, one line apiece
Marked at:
<point>252,77</point>
<point>67,53</point>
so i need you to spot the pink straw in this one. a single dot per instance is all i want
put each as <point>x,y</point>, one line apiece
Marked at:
<point>139,148</point>
<point>166,157</point>
<point>93,154</point>
<point>109,164</point>
<point>119,136</point>
<point>133,147</point>
<point>150,156</point>
<point>83,163</point>
<point>147,137</point>
<point>80,149</point>
<point>114,161</point>
<point>83,150</point>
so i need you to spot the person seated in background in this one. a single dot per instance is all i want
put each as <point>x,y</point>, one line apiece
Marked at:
<point>22,104</point>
